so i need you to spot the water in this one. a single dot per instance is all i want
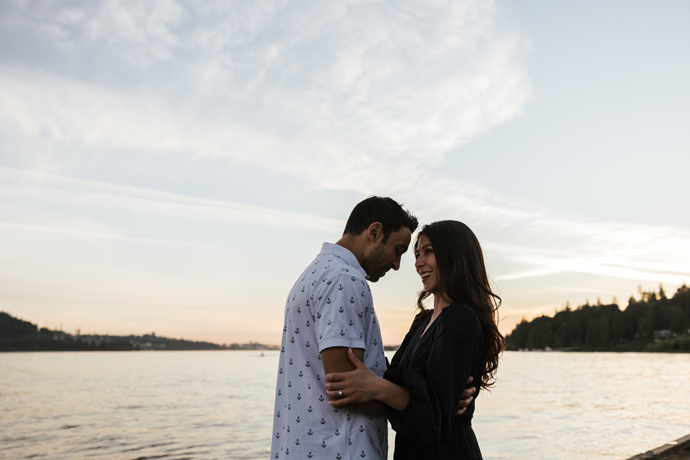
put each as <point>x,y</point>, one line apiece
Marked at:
<point>213,405</point>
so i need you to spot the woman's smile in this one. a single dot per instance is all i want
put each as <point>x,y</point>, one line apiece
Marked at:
<point>425,264</point>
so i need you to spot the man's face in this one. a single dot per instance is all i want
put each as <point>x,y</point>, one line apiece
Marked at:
<point>381,257</point>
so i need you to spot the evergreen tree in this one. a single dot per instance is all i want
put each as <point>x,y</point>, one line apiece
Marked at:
<point>606,327</point>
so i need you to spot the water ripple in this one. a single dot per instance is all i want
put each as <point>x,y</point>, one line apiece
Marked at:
<point>209,405</point>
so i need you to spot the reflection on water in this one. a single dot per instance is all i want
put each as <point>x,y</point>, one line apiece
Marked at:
<point>584,405</point>
<point>135,405</point>
<point>206,405</point>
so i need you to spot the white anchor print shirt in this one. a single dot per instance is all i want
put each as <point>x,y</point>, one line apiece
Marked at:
<point>329,306</point>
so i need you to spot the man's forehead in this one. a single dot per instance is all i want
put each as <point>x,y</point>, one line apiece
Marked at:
<point>401,238</point>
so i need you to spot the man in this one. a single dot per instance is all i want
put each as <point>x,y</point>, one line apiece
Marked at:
<point>329,310</point>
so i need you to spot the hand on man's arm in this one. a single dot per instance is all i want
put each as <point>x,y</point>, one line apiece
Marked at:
<point>336,360</point>
<point>362,385</point>
<point>368,387</point>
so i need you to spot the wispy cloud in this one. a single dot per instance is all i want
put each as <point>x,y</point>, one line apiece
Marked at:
<point>353,87</point>
<point>106,236</point>
<point>372,92</point>
<point>45,188</point>
<point>146,30</point>
<point>320,97</point>
<point>542,239</point>
<point>611,267</point>
<point>545,242</point>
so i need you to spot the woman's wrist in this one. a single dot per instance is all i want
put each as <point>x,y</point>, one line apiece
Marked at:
<point>392,395</point>
<point>380,389</point>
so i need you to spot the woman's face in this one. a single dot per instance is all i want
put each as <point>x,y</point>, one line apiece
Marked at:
<point>425,264</point>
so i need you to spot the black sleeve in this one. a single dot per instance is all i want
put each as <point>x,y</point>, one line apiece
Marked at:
<point>436,389</point>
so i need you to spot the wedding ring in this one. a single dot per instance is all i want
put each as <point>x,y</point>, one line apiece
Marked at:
<point>340,392</point>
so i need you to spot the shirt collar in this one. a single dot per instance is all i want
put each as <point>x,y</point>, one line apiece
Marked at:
<point>345,254</point>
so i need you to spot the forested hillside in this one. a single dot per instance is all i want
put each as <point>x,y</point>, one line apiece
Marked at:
<point>652,323</point>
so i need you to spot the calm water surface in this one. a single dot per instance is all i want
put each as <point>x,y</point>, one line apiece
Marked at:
<point>218,405</point>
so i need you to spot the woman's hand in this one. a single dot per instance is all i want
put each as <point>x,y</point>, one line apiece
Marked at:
<point>357,386</point>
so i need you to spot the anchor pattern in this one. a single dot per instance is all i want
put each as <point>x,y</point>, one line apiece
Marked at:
<point>330,305</point>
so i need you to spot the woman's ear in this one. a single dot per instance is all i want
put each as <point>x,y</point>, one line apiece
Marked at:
<point>375,231</point>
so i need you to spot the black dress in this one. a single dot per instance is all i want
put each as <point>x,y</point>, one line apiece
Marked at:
<point>434,368</point>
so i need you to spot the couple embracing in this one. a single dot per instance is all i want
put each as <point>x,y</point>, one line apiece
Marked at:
<point>335,390</point>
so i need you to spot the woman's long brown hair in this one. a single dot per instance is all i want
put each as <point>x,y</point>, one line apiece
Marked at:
<point>463,279</point>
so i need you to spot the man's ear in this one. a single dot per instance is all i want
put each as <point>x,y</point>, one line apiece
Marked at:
<point>375,232</point>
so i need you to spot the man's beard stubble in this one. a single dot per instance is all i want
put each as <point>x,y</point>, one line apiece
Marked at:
<point>374,262</point>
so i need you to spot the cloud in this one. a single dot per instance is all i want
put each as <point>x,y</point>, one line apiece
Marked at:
<point>351,86</point>
<point>105,236</point>
<point>605,266</point>
<point>45,188</point>
<point>146,30</point>
<point>359,96</point>
<point>543,242</point>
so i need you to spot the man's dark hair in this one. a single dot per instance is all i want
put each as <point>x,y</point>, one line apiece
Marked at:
<point>381,209</point>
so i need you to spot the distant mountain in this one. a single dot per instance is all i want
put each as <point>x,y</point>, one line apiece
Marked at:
<point>654,323</point>
<point>20,335</point>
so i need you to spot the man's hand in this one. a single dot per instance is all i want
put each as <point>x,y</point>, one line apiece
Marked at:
<point>466,398</point>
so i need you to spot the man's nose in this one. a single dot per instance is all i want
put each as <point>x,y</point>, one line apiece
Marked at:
<point>396,264</point>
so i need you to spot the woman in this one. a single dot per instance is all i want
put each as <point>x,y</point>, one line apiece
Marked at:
<point>445,346</point>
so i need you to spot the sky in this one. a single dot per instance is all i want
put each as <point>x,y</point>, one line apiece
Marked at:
<point>172,166</point>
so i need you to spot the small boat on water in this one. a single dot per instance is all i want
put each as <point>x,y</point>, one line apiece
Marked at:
<point>674,450</point>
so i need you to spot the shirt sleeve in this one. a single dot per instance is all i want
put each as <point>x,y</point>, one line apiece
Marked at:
<point>436,386</point>
<point>341,312</point>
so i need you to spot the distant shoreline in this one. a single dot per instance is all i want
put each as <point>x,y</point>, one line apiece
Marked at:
<point>23,336</point>
<point>599,351</point>
<point>4,350</point>
<point>278,349</point>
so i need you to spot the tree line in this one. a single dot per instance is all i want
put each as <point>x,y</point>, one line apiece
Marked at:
<point>19,335</point>
<point>654,322</point>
